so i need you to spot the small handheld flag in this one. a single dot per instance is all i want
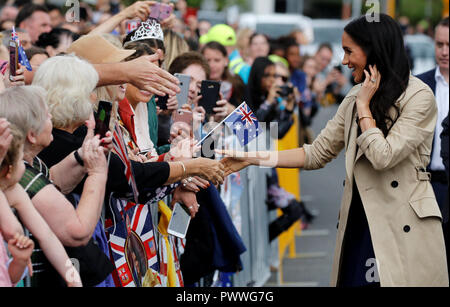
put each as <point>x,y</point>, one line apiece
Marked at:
<point>23,60</point>
<point>243,123</point>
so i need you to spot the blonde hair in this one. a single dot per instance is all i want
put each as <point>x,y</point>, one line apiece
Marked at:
<point>243,41</point>
<point>69,82</point>
<point>24,106</point>
<point>175,46</point>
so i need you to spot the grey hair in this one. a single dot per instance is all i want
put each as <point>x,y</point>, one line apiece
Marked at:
<point>24,106</point>
<point>69,82</point>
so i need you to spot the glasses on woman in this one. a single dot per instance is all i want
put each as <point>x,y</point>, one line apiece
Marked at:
<point>276,76</point>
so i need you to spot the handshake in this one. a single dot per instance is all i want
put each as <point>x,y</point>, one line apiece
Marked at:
<point>233,162</point>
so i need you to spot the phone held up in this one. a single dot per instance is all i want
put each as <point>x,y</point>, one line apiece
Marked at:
<point>183,116</point>
<point>179,223</point>
<point>210,92</point>
<point>102,118</point>
<point>13,59</point>
<point>161,11</point>
<point>183,96</point>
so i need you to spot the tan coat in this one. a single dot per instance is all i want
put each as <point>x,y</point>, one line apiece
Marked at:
<point>403,215</point>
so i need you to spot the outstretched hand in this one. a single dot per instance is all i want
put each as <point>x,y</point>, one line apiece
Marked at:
<point>232,163</point>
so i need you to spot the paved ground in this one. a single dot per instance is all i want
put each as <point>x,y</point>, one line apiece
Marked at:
<point>322,191</point>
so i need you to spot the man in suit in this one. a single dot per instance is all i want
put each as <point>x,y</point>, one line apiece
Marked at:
<point>437,80</point>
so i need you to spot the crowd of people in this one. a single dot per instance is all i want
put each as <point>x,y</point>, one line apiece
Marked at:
<point>101,199</point>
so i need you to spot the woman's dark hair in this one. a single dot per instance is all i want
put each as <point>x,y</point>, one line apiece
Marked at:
<point>383,44</point>
<point>256,93</point>
<point>152,43</point>
<point>187,59</point>
<point>53,38</point>
<point>31,52</point>
<point>255,35</point>
<point>219,47</point>
<point>142,49</point>
<point>236,81</point>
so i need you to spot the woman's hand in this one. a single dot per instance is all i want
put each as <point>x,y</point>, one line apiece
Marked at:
<point>223,109</point>
<point>194,184</point>
<point>140,9</point>
<point>189,199</point>
<point>172,104</point>
<point>273,94</point>
<point>369,87</point>
<point>17,80</point>
<point>94,158</point>
<point>210,170</point>
<point>184,149</point>
<point>147,76</point>
<point>21,248</point>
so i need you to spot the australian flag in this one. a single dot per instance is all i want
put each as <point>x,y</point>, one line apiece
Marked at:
<point>244,124</point>
<point>23,60</point>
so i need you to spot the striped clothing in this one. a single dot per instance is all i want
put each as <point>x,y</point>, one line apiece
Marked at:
<point>35,178</point>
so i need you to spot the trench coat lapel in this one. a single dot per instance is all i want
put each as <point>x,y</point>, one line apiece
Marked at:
<point>351,131</point>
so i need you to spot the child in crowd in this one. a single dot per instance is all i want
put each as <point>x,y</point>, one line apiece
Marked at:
<point>19,246</point>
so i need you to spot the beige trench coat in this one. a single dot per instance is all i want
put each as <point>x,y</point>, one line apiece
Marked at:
<point>403,215</point>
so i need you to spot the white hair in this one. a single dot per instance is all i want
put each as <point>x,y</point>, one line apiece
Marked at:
<point>69,82</point>
<point>24,106</point>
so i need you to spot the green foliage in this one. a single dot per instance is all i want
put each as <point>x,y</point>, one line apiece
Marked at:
<point>416,10</point>
<point>194,3</point>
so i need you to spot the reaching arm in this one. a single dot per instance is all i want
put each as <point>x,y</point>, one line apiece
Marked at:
<point>140,72</point>
<point>140,9</point>
<point>9,225</point>
<point>51,246</point>
<point>67,174</point>
<point>235,161</point>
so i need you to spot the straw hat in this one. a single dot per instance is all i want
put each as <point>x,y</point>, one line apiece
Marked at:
<point>97,50</point>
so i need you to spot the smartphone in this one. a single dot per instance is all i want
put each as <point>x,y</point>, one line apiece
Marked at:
<point>102,118</point>
<point>210,92</point>
<point>183,116</point>
<point>162,102</point>
<point>161,11</point>
<point>179,223</point>
<point>183,96</point>
<point>13,59</point>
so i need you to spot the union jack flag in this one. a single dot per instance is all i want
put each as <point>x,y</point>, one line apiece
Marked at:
<point>244,124</point>
<point>121,150</point>
<point>23,60</point>
<point>135,234</point>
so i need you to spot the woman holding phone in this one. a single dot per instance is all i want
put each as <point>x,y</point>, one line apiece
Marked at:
<point>389,231</point>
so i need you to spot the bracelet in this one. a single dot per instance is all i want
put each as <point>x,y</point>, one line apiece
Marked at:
<point>78,158</point>
<point>368,117</point>
<point>184,168</point>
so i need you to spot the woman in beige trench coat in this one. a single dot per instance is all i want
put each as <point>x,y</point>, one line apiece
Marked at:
<point>386,126</point>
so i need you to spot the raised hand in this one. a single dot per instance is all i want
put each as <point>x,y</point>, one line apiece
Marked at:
<point>147,76</point>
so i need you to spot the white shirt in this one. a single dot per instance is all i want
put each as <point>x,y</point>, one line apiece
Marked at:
<point>442,104</point>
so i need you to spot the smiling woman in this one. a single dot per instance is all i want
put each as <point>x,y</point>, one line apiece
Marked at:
<point>386,125</point>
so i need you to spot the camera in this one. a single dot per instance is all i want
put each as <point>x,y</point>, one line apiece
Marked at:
<point>285,91</point>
